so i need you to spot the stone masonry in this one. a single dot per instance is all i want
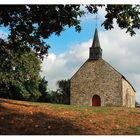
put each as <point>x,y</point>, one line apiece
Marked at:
<point>97,77</point>
<point>128,94</point>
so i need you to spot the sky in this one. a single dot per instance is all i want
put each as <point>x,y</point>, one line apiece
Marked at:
<point>70,50</point>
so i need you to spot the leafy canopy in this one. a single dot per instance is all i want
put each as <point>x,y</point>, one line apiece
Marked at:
<point>31,25</point>
<point>64,90</point>
<point>19,74</point>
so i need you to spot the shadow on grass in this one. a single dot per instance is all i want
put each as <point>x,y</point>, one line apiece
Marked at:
<point>16,123</point>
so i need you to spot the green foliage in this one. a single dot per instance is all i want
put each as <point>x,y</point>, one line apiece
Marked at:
<point>31,25</point>
<point>137,104</point>
<point>43,90</point>
<point>43,85</point>
<point>55,97</point>
<point>60,96</point>
<point>64,89</point>
<point>48,96</point>
<point>19,74</point>
<point>127,17</point>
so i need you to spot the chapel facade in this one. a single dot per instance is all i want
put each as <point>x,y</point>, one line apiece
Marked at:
<point>97,83</point>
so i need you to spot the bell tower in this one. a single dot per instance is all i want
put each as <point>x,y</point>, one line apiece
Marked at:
<point>95,51</point>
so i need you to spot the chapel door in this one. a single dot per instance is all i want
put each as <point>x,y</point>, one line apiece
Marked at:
<point>96,100</point>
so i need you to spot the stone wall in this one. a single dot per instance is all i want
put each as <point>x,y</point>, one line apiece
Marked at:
<point>128,94</point>
<point>96,77</point>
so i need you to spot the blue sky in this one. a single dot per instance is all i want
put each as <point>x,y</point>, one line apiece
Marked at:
<point>60,44</point>
<point>70,50</point>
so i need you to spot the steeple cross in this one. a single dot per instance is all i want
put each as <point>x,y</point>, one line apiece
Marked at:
<point>96,20</point>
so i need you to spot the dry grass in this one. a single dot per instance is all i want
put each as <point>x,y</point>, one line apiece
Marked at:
<point>27,118</point>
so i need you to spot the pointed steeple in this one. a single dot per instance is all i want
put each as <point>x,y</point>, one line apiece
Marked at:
<point>96,42</point>
<point>95,51</point>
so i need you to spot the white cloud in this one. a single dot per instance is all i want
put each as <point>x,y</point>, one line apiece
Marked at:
<point>63,66</point>
<point>122,52</point>
<point>119,49</point>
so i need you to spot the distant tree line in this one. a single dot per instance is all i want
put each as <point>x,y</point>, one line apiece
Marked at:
<point>38,93</point>
<point>29,27</point>
<point>137,104</point>
<point>61,95</point>
<point>20,78</point>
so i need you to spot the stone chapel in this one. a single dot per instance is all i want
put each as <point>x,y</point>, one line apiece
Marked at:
<point>97,83</point>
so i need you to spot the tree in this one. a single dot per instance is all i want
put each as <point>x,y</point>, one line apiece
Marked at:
<point>137,104</point>
<point>126,16</point>
<point>29,28</point>
<point>30,25</point>
<point>64,89</point>
<point>54,97</point>
<point>19,74</point>
<point>43,90</point>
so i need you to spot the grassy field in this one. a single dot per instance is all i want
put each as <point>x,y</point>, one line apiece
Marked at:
<point>29,118</point>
